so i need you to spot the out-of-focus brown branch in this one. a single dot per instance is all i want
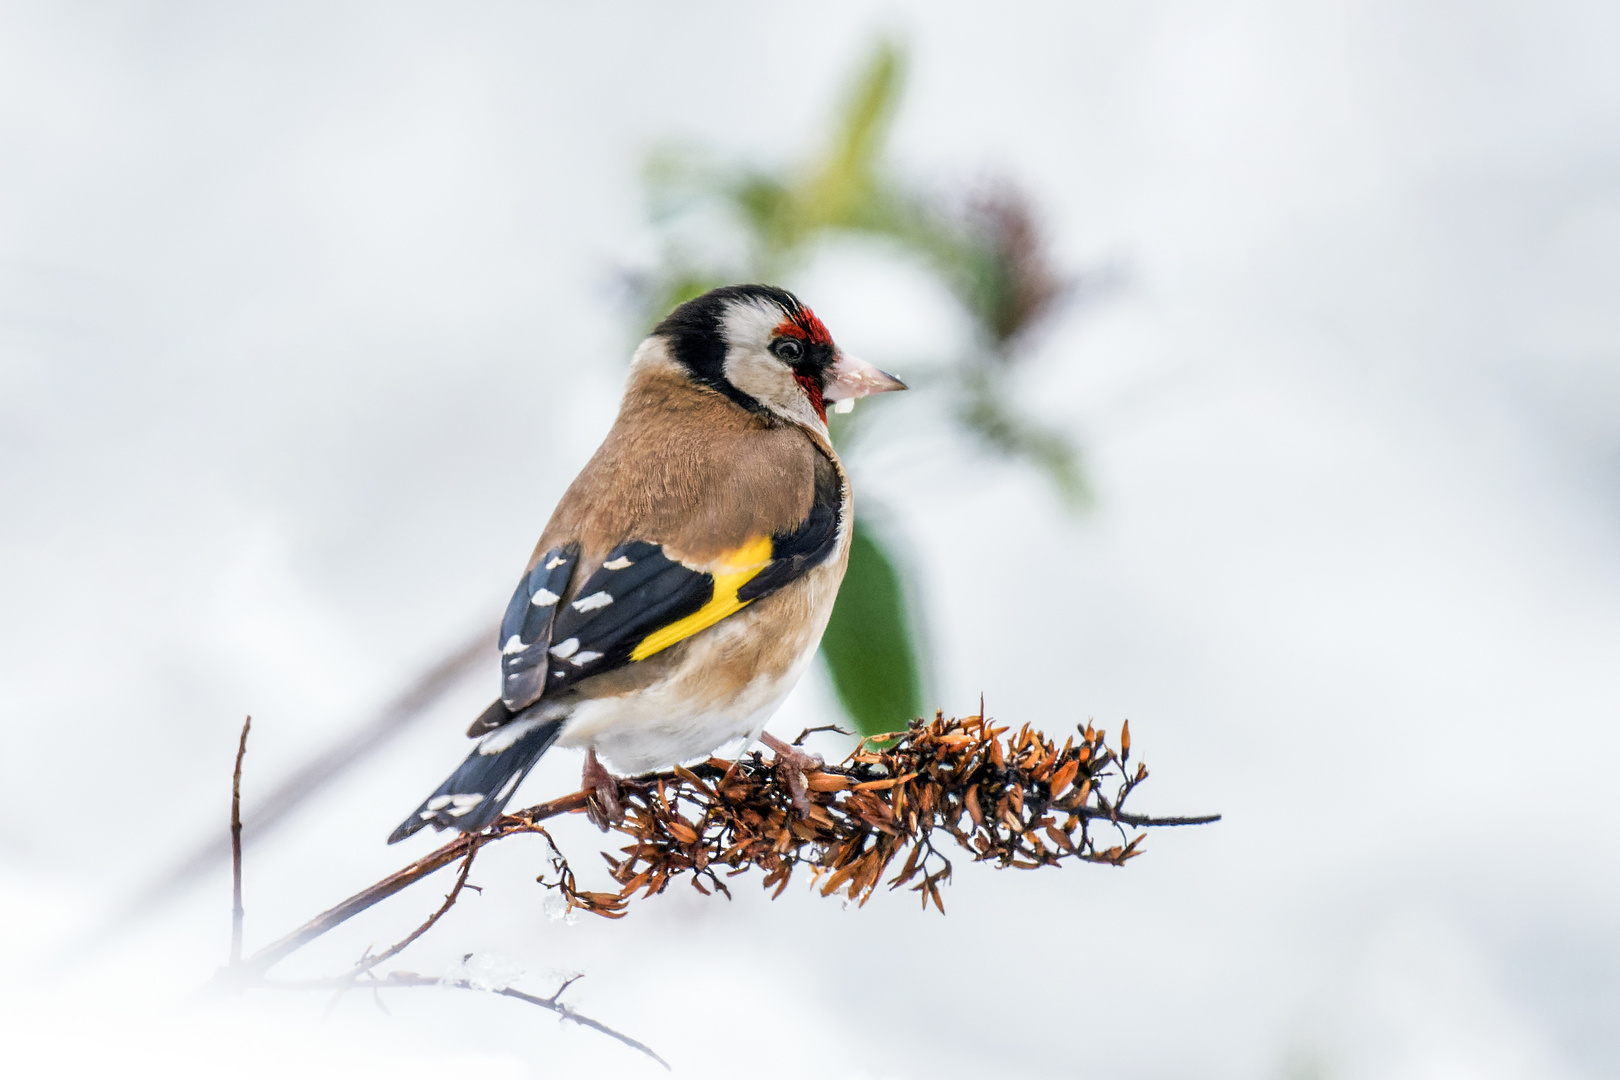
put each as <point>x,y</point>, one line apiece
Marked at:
<point>236,845</point>
<point>303,783</point>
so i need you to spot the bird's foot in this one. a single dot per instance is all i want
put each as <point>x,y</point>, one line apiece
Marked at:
<point>794,763</point>
<point>605,806</point>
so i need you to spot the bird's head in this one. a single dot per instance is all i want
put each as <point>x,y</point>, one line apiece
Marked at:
<point>767,352</point>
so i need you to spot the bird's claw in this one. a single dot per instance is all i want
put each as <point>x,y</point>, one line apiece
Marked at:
<point>604,806</point>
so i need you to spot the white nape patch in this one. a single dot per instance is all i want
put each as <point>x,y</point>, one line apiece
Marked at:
<point>556,561</point>
<point>506,788</point>
<point>599,599</point>
<point>545,597</point>
<point>513,644</point>
<point>621,563</point>
<point>438,802</point>
<point>845,406</point>
<point>566,649</point>
<point>502,738</point>
<point>463,804</point>
<point>585,657</point>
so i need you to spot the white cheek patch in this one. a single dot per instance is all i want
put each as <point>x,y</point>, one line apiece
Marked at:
<point>762,377</point>
<point>748,328</point>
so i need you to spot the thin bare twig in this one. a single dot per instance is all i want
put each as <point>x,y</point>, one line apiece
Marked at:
<point>236,847</point>
<point>367,963</point>
<point>809,731</point>
<point>402,979</point>
<point>261,961</point>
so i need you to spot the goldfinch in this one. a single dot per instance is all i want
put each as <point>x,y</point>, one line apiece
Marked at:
<point>685,578</point>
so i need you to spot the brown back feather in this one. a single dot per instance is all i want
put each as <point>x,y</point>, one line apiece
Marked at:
<point>686,468</point>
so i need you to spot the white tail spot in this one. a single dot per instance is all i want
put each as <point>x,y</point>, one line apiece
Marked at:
<point>464,804</point>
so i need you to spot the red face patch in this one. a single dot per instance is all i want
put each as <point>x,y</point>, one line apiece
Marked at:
<point>812,390</point>
<point>804,326</point>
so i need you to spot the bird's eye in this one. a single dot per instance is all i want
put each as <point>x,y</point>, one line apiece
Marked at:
<point>788,349</point>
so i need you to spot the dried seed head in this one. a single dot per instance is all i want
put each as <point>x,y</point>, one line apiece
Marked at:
<point>895,796</point>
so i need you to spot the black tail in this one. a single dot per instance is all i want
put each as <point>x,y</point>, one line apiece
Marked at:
<point>476,793</point>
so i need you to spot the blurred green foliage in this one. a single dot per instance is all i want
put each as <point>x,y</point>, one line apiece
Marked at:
<point>722,222</point>
<point>869,646</point>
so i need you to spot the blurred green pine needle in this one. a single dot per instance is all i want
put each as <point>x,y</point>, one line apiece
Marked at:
<point>723,222</point>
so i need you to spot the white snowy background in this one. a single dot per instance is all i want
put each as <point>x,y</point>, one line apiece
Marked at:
<point>307,315</point>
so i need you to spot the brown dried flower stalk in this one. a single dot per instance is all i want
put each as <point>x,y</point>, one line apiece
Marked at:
<point>1012,799</point>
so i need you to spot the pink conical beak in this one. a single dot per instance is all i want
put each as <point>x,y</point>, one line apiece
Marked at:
<point>850,377</point>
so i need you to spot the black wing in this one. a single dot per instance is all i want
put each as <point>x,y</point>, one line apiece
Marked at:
<point>640,601</point>
<point>526,629</point>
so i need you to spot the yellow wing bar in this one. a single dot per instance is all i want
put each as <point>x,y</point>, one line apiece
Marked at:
<point>731,572</point>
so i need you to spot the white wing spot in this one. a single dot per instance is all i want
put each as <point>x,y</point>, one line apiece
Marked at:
<point>585,657</point>
<point>543,598</point>
<point>599,599</point>
<point>438,802</point>
<point>556,561</point>
<point>506,788</point>
<point>513,644</point>
<point>621,563</point>
<point>566,649</point>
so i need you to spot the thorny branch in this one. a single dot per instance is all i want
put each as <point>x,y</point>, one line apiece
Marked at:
<point>1015,800</point>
